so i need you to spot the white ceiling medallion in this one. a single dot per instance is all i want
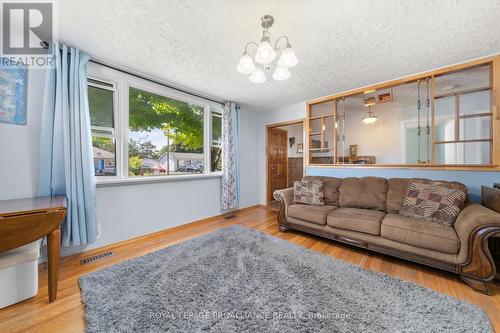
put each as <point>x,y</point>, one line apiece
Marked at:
<point>264,54</point>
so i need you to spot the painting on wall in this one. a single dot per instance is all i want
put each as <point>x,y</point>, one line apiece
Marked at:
<point>13,92</point>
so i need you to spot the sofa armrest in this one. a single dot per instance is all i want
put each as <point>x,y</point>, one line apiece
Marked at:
<point>474,225</point>
<point>285,197</point>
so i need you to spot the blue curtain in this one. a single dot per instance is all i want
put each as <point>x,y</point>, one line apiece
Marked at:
<point>66,161</point>
<point>230,186</point>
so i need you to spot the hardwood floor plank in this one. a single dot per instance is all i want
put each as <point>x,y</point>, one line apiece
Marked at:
<point>66,314</point>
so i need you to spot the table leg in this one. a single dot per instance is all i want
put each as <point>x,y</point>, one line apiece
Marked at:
<point>53,250</point>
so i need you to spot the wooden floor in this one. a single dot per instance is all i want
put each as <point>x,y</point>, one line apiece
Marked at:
<point>66,314</point>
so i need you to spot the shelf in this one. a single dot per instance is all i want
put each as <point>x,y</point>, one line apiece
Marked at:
<point>463,92</point>
<point>314,133</point>
<point>320,117</point>
<point>321,149</point>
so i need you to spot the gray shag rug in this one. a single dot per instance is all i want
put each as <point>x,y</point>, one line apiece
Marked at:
<point>241,280</point>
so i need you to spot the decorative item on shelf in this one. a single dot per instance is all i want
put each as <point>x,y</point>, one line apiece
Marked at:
<point>385,97</point>
<point>370,101</point>
<point>300,148</point>
<point>291,141</point>
<point>265,54</point>
<point>353,150</point>
<point>369,117</point>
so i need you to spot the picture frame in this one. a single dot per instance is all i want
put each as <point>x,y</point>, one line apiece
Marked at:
<point>13,94</point>
<point>300,148</point>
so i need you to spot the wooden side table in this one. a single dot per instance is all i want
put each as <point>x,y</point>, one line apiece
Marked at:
<point>23,221</point>
<point>490,198</point>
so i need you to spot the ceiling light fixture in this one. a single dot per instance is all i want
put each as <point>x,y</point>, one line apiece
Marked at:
<point>370,117</point>
<point>265,54</point>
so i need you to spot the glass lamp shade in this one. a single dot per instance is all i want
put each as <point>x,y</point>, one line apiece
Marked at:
<point>257,76</point>
<point>265,53</point>
<point>281,74</point>
<point>245,65</point>
<point>287,58</point>
<point>370,117</point>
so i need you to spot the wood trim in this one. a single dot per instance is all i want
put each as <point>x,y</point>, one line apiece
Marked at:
<point>496,110</point>
<point>334,131</point>
<point>476,115</point>
<point>463,92</point>
<point>463,141</point>
<point>266,148</point>
<point>487,168</point>
<point>406,79</point>
<point>433,120</point>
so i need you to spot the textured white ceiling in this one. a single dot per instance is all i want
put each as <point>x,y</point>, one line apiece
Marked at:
<point>340,44</point>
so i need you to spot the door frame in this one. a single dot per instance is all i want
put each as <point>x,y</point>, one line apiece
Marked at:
<point>281,124</point>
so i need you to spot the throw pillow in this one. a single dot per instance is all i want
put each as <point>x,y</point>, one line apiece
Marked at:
<point>433,201</point>
<point>309,192</point>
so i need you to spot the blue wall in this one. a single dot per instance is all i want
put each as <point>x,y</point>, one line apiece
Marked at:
<point>472,179</point>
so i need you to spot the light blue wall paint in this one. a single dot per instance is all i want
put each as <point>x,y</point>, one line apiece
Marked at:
<point>472,179</point>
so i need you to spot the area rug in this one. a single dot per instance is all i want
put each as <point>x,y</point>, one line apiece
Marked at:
<point>241,280</point>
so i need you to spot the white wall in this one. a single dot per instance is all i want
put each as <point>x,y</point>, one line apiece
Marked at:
<point>19,146</point>
<point>126,211</point>
<point>294,131</point>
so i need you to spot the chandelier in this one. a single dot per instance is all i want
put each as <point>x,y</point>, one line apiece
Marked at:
<point>265,54</point>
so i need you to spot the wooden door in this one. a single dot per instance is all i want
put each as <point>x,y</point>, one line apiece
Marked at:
<point>277,157</point>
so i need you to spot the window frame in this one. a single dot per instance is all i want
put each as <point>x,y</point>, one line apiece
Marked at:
<point>122,83</point>
<point>113,135</point>
<point>214,113</point>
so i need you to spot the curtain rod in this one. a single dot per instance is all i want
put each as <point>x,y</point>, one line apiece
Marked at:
<point>153,80</point>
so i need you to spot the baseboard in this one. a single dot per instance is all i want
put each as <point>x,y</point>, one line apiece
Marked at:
<point>109,247</point>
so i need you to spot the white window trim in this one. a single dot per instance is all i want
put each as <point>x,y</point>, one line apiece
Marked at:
<point>121,83</point>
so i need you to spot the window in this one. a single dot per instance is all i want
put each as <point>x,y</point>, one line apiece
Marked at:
<point>165,135</point>
<point>216,141</point>
<point>464,117</point>
<point>141,129</point>
<point>101,107</point>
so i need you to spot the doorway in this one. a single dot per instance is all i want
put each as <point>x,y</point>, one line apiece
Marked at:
<point>284,157</point>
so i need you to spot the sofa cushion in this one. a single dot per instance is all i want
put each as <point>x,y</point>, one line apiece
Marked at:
<point>330,186</point>
<point>395,193</point>
<point>433,201</point>
<point>309,192</point>
<point>366,192</point>
<point>314,214</point>
<point>411,231</point>
<point>356,219</point>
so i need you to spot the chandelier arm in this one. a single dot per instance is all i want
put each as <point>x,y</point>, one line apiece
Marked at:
<point>277,40</point>
<point>249,43</point>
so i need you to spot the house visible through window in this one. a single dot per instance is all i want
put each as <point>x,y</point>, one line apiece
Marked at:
<point>165,135</point>
<point>101,106</point>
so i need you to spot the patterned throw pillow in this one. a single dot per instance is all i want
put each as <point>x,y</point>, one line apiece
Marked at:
<point>309,192</point>
<point>433,201</point>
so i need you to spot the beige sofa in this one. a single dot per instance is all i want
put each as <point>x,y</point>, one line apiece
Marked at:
<point>364,212</point>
